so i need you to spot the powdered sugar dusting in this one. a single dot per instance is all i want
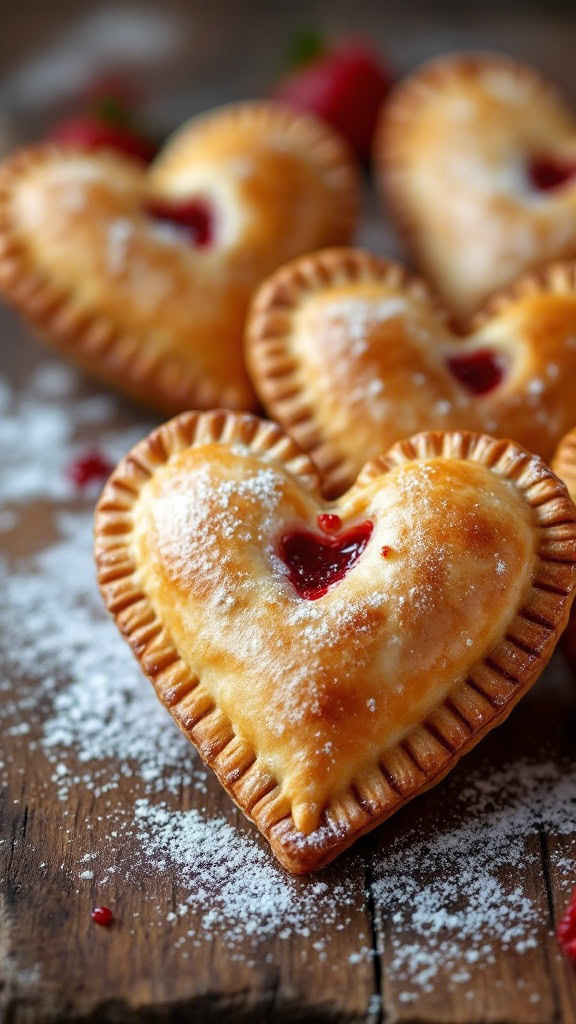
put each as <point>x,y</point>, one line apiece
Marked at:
<point>343,327</point>
<point>40,436</point>
<point>192,522</point>
<point>350,319</point>
<point>230,877</point>
<point>451,879</point>
<point>120,234</point>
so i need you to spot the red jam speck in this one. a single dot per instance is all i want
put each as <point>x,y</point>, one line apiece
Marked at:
<point>566,930</point>
<point>315,564</point>
<point>89,467</point>
<point>385,551</point>
<point>479,372</point>
<point>329,522</point>
<point>547,173</point>
<point>193,217</point>
<point>102,915</point>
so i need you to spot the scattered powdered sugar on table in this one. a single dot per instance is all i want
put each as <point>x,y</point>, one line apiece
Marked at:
<point>233,882</point>
<point>458,893</point>
<point>51,611</point>
<point>106,709</point>
<point>449,893</point>
<point>43,430</point>
<point>443,895</point>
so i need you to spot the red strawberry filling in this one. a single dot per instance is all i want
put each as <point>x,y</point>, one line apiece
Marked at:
<point>192,216</point>
<point>315,564</point>
<point>566,930</point>
<point>547,173</point>
<point>479,372</point>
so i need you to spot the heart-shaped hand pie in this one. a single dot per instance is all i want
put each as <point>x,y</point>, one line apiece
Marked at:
<point>144,276</point>
<point>476,158</point>
<point>349,353</point>
<point>332,662</point>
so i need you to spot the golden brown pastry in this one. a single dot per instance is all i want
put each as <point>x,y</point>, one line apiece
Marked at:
<point>564,464</point>
<point>143,276</point>
<point>332,661</point>
<point>350,353</point>
<point>476,159</point>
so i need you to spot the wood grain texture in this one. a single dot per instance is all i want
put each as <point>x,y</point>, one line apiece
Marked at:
<point>56,967</point>
<point>536,986</point>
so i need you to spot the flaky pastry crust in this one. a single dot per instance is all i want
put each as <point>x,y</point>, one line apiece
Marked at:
<point>454,151</point>
<point>350,353</point>
<point>564,465</point>
<point>130,297</point>
<point>322,717</point>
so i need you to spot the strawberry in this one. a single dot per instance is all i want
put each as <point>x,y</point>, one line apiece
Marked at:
<point>91,132</point>
<point>106,119</point>
<point>344,85</point>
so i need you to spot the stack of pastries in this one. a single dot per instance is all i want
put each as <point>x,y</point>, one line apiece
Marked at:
<point>337,602</point>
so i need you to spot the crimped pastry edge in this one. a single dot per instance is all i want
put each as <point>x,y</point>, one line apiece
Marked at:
<point>403,105</point>
<point>274,370</point>
<point>473,706</point>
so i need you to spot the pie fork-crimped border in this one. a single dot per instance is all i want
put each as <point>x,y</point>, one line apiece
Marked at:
<point>473,706</point>
<point>274,368</point>
<point>95,340</point>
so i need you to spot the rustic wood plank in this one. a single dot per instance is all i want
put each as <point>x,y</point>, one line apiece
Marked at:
<point>56,965</point>
<point>61,967</point>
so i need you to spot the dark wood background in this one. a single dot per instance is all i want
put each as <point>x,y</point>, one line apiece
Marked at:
<point>228,49</point>
<point>132,972</point>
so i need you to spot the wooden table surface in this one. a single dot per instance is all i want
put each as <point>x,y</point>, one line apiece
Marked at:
<point>405,927</point>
